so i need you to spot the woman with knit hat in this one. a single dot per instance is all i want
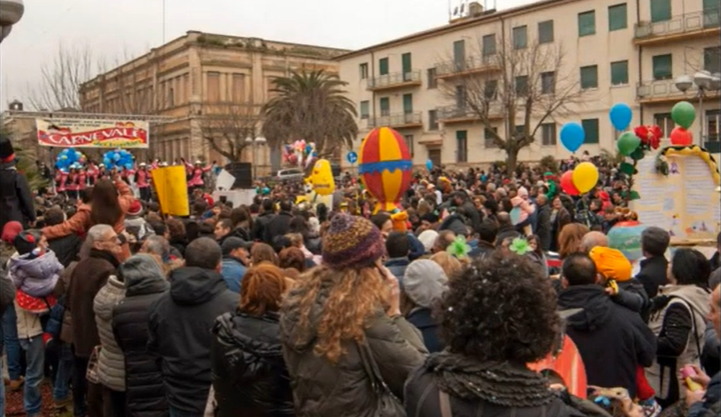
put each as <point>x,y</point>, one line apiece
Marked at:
<point>347,348</point>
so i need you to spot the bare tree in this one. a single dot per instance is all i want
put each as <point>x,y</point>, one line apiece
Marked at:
<point>226,126</point>
<point>522,87</point>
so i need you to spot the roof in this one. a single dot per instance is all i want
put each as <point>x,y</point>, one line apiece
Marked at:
<point>487,16</point>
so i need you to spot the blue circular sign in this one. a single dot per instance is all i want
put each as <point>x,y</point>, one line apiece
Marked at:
<point>352,157</point>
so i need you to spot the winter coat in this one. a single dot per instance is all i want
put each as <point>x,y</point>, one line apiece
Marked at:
<point>631,295</point>
<point>16,199</point>
<point>179,333</point>
<point>66,248</point>
<point>89,276</point>
<point>653,274</point>
<point>111,363</point>
<point>7,292</point>
<point>612,340</point>
<point>61,290</point>
<point>277,226</point>
<point>398,266</point>
<point>259,224</point>
<point>35,277</point>
<point>544,227</point>
<point>422,319</point>
<point>680,326</point>
<point>249,374</point>
<point>144,390</point>
<point>233,272</point>
<point>324,389</point>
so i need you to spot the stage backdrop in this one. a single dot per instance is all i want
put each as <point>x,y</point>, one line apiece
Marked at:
<point>88,133</point>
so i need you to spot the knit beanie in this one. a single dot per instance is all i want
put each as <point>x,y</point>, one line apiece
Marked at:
<point>424,282</point>
<point>352,242</point>
<point>10,230</point>
<point>611,263</point>
<point>7,153</point>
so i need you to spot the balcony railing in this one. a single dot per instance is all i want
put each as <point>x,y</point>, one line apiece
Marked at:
<point>702,23</point>
<point>399,79</point>
<point>399,120</point>
<point>712,144</point>
<point>457,114</point>
<point>470,65</point>
<point>665,91</point>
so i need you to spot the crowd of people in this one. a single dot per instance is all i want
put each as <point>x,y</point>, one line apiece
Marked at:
<point>451,306</point>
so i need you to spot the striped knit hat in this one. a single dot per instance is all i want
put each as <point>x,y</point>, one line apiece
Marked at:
<point>352,242</point>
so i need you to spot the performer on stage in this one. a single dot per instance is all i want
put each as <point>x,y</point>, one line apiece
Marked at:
<point>196,172</point>
<point>93,172</point>
<point>82,179</point>
<point>72,183</point>
<point>61,179</point>
<point>142,180</point>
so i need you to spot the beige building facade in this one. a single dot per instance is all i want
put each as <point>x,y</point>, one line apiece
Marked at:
<point>208,86</point>
<point>608,51</point>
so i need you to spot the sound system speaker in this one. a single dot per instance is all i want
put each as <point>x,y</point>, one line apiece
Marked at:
<point>243,173</point>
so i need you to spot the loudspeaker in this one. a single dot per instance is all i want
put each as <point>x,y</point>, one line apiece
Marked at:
<point>243,173</point>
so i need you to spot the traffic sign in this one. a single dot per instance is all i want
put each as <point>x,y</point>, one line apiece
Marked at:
<point>352,157</point>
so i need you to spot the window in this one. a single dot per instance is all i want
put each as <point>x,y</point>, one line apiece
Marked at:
<point>432,81</point>
<point>409,142</point>
<point>660,10</point>
<point>460,96</point>
<point>213,94</point>
<point>459,54</point>
<point>490,88</point>
<point>407,103</point>
<point>364,109</point>
<point>406,66</point>
<point>383,66</point>
<point>488,140</point>
<point>710,13</point>
<point>712,59</point>
<point>617,17</point>
<point>545,31</point>
<point>590,127</point>
<point>589,77</point>
<point>548,130</point>
<point>171,97</point>
<point>712,128</point>
<point>619,73</point>
<point>489,44</point>
<point>238,88</point>
<point>522,85</point>
<point>587,23</point>
<point>520,131</point>
<point>520,37</point>
<point>432,119</point>
<point>662,67</point>
<point>548,82</point>
<point>385,106</point>
<point>664,121</point>
<point>462,146</point>
<point>363,68</point>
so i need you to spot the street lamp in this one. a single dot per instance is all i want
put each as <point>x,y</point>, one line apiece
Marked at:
<point>254,143</point>
<point>705,82</point>
<point>10,13</point>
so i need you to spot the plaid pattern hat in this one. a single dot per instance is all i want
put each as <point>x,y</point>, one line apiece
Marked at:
<point>352,242</point>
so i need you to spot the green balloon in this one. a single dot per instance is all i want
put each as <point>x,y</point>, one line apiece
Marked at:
<point>683,113</point>
<point>627,143</point>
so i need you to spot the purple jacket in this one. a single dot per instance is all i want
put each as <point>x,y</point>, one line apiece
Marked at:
<point>35,277</point>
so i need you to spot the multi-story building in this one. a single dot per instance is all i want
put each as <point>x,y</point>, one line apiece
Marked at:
<point>211,87</point>
<point>581,56</point>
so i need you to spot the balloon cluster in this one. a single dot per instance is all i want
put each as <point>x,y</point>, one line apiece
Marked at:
<point>69,158</point>
<point>580,180</point>
<point>299,153</point>
<point>683,114</point>
<point>118,159</point>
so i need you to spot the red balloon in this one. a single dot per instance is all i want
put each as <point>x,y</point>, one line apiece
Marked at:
<point>681,137</point>
<point>567,183</point>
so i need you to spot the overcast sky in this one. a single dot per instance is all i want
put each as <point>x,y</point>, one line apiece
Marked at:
<point>112,29</point>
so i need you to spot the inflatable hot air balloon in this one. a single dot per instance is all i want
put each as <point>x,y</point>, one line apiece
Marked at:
<point>384,164</point>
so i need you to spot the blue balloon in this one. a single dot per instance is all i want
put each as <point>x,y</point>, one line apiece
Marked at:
<point>106,161</point>
<point>429,165</point>
<point>128,166</point>
<point>621,115</point>
<point>572,136</point>
<point>116,157</point>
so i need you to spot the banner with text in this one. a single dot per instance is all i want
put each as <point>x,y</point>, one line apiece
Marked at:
<point>88,133</point>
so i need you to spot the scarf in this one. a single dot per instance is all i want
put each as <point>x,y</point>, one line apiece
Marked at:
<point>500,383</point>
<point>94,253</point>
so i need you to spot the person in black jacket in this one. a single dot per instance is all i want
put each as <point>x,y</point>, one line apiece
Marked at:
<point>180,322</point>
<point>279,225</point>
<point>654,243</point>
<point>66,248</point>
<point>248,370</point>
<point>16,199</point>
<point>267,214</point>
<point>543,225</point>
<point>144,283</point>
<point>611,339</point>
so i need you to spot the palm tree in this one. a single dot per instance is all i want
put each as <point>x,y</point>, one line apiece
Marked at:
<point>312,106</point>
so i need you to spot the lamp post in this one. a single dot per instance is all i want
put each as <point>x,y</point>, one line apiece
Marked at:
<point>254,143</point>
<point>705,82</point>
<point>11,11</point>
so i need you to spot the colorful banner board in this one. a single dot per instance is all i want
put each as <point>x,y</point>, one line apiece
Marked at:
<point>89,133</point>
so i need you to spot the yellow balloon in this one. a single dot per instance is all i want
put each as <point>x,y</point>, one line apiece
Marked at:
<point>585,177</point>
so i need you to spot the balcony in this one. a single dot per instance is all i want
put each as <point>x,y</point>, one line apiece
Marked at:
<point>665,91</point>
<point>712,144</point>
<point>679,28</point>
<point>464,114</point>
<point>397,121</point>
<point>469,66</point>
<point>393,81</point>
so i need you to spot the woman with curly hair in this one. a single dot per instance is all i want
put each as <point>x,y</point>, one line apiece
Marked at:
<point>497,316</point>
<point>342,330</point>
<point>569,240</point>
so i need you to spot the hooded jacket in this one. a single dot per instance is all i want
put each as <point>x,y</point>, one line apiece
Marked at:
<point>16,199</point>
<point>111,363</point>
<point>144,391</point>
<point>249,374</point>
<point>35,277</point>
<point>277,226</point>
<point>612,340</point>
<point>179,332</point>
<point>66,248</point>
